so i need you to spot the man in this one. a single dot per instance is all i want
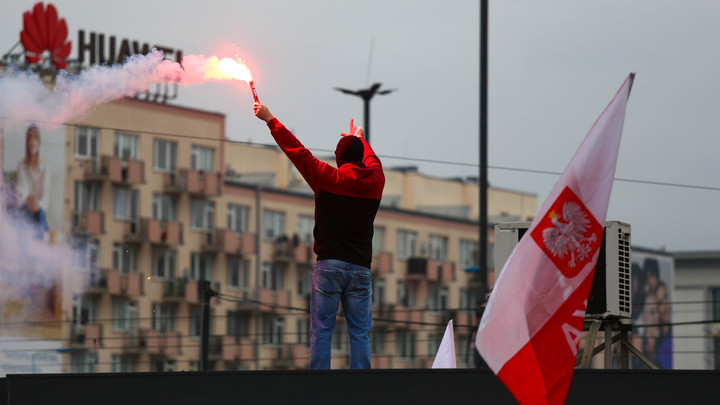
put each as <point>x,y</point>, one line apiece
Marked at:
<point>346,201</point>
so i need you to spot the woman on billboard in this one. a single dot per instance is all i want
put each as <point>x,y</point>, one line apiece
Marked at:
<point>33,184</point>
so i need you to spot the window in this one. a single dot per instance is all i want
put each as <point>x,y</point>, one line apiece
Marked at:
<point>125,203</point>
<point>84,309</point>
<point>304,282</point>
<point>405,294</point>
<point>715,303</point>
<point>83,362</point>
<point>86,197</point>
<point>195,321</point>
<point>407,244</point>
<point>273,224</point>
<point>164,154</point>
<point>306,224</point>
<point>124,257</point>
<point>85,253</point>
<point>468,298</point>
<point>340,338</point>
<point>238,324</point>
<point>238,218</point>
<point>438,247</point>
<point>163,264</point>
<point>433,343</point>
<point>163,317</point>
<point>273,330</point>
<point>378,293</point>
<point>201,267</point>
<point>202,159</point>
<point>163,207</point>
<point>238,273</point>
<point>468,253</point>
<point>437,298</point>
<point>377,341</point>
<point>272,276</point>
<point>124,315</point>
<point>202,215</point>
<point>162,366</point>
<point>123,364</point>
<point>303,331</point>
<point>126,146</point>
<point>378,242</point>
<point>406,344</point>
<point>85,142</point>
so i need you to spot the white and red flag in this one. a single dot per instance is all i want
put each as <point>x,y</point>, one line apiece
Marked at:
<point>530,330</point>
<point>445,357</point>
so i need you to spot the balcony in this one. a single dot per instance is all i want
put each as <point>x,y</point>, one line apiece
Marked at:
<point>293,251</point>
<point>88,336</point>
<point>421,268</point>
<point>111,168</point>
<point>273,300</point>
<point>228,242</point>
<point>197,183</point>
<point>180,290</point>
<point>154,231</point>
<point>231,348</point>
<point>97,282</point>
<point>115,283</point>
<point>382,263</point>
<point>381,361</point>
<point>153,342</point>
<point>89,223</point>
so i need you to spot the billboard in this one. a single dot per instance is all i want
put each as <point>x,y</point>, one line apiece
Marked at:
<point>31,223</point>
<point>653,277</point>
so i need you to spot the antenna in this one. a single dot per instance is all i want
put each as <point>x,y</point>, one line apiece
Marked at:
<point>372,46</point>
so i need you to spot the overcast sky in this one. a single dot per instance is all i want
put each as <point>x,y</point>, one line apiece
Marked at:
<point>554,66</point>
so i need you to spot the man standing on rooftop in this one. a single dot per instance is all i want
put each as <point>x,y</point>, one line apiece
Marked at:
<point>346,201</point>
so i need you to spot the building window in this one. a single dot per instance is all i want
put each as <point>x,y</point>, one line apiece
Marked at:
<point>306,225</point>
<point>85,253</point>
<point>164,155</point>
<point>163,264</point>
<point>468,253</point>
<point>124,315</point>
<point>377,341</point>
<point>405,345</point>
<point>378,242</point>
<point>468,299</point>
<point>304,282</point>
<point>438,247</point>
<point>202,215</point>
<point>407,244</point>
<point>238,218</point>
<point>303,331</point>
<point>238,273</point>
<point>163,207</point>
<point>272,276</point>
<point>86,197</point>
<point>83,362</point>
<point>273,224</point>
<point>405,294</point>
<point>86,142</point>
<point>124,257</point>
<point>195,320</point>
<point>123,364</point>
<point>162,366</point>
<point>163,317</point>
<point>433,343</point>
<point>201,267</point>
<point>126,146</point>
<point>125,203</point>
<point>378,293</point>
<point>437,298</point>
<point>84,309</point>
<point>238,324</point>
<point>340,338</point>
<point>202,159</point>
<point>273,330</point>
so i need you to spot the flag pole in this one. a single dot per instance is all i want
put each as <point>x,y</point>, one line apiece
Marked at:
<point>482,179</point>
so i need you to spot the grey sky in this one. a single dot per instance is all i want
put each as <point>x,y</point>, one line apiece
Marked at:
<point>554,66</point>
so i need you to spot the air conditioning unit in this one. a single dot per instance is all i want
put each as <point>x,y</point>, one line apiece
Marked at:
<point>611,288</point>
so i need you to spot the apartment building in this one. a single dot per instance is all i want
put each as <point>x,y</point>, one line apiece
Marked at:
<point>154,202</point>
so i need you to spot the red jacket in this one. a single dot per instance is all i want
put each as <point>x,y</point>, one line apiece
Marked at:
<point>346,198</point>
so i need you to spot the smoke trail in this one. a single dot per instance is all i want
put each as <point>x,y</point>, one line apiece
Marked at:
<point>25,98</point>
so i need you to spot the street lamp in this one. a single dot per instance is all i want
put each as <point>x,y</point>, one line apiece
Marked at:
<point>367,95</point>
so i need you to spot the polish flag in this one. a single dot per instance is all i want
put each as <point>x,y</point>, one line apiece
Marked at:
<point>445,357</point>
<point>531,327</point>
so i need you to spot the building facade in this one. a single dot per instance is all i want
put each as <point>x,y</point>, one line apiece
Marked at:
<point>155,201</point>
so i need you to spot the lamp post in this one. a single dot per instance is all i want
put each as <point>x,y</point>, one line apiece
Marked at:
<point>367,95</point>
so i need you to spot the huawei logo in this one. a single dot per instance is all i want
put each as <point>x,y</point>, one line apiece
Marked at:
<point>44,32</point>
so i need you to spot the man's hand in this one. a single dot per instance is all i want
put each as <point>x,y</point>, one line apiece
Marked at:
<point>354,131</point>
<point>262,112</point>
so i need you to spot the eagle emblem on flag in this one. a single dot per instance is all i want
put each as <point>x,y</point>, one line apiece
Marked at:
<point>568,233</point>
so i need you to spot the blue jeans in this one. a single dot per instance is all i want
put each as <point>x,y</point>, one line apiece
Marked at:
<point>335,281</point>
